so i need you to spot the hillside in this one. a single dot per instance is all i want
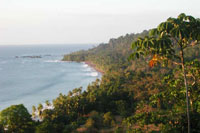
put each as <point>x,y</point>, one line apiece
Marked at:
<point>142,82</point>
<point>132,96</point>
<point>109,56</point>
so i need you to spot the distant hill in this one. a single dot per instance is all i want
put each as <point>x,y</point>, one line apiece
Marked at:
<point>113,56</point>
<point>108,56</point>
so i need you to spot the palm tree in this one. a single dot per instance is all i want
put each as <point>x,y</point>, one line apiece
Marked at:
<point>34,111</point>
<point>47,103</point>
<point>40,109</point>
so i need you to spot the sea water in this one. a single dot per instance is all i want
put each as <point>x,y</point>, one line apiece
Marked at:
<point>32,74</point>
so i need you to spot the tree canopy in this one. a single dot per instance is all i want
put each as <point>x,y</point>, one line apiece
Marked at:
<point>16,118</point>
<point>131,96</point>
<point>168,41</point>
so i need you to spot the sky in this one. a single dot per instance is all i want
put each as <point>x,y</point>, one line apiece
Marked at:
<point>84,21</point>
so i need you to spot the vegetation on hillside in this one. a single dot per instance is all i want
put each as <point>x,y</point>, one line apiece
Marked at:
<point>167,43</point>
<point>141,95</point>
<point>110,56</point>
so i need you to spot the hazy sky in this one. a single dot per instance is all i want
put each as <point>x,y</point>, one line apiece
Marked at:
<point>84,21</point>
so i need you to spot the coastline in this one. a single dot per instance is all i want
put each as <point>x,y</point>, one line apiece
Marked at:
<point>89,63</point>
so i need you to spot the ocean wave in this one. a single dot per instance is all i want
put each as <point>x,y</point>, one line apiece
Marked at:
<point>53,61</point>
<point>87,70</point>
<point>85,65</point>
<point>93,74</point>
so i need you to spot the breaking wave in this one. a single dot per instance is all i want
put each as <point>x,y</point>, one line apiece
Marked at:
<point>85,65</point>
<point>87,69</point>
<point>53,61</point>
<point>93,74</point>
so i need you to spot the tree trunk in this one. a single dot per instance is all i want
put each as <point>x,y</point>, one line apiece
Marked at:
<point>186,86</point>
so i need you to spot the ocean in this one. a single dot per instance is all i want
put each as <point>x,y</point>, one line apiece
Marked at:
<point>32,74</point>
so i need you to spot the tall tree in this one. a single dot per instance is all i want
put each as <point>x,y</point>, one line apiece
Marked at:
<point>167,43</point>
<point>16,119</point>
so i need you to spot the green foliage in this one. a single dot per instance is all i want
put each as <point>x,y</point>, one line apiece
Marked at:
<point>45,127</point>
<point>167,42</point>
<point>90,123</point>
<point>47,103</point>
<point>70,127</point>
<point>16,119</point>
<point>1,128</point>
<point>108,119</point>
<point>130,97</point>
<point>34,111</point>
<point>182,32</point>
<point>108,57</point>
<point>122,108</point>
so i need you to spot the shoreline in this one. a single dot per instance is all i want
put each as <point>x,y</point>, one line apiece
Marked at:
<point>89,63</point>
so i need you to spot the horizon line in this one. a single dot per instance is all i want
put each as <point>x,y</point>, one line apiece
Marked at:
<point>50,44</point>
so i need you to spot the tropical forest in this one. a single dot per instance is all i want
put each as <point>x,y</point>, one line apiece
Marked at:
<point>150,84</point>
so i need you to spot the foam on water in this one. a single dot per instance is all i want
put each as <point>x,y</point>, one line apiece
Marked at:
<point>87,69</point>
<point>85,65</point>
<point>53,61</point>
<point>93,74</point>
